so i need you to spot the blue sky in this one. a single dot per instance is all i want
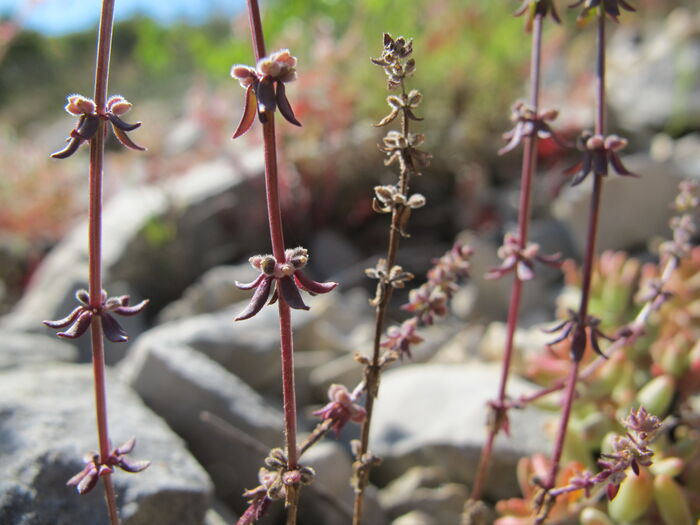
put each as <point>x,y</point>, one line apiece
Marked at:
<point>56,17</point>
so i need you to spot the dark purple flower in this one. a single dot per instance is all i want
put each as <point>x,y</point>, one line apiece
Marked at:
<point>400,339</point>
<point>79,320</point>
<point>580,332</point>
<point>598,153</point>
<point>287,278</point>
<point>86,479</point>
<point>532,8</point>
<point>265,90</point>
<point>88,119</point>
<point>611,7</point>
<point>528,123</point>
<point>521,261</point>
<point>341,409</point>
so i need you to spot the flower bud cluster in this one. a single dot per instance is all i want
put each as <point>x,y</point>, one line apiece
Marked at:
<point>395,60</point>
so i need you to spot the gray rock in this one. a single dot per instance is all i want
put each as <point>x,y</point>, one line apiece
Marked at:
<point>18,349</point>
<point>415,517</point>
<point>180,384</point>
<point>656,66</point>
<point>213,291</point>
<point>249,349</point>
<point>685,155</point>
<point>156,239</point>
<point>219,514</point>
<point>332,253</point>
<point>329,499</point>
<point>48,425</point>
<point>435,415</point>
<point>632,210</point>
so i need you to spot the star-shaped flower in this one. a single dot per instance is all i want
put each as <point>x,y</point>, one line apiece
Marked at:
<point>287,278</point>
<point>611,7</point>
<point>86,479</point>
<point>532,8</point>
<point>265,90</point>
<point>401,338</point>
<point>598,152</point>
<point>343,407</point>
<point>79,320</point>
<point>580,332</point>
<point>520,260</point>
<point>528,123</point>
<point>88,119</point>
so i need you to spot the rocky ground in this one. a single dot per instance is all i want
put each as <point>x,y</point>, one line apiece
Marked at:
<point>191,358</point>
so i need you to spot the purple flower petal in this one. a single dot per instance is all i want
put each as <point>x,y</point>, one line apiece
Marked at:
<point>524,271</point>
<point>252,284</point>
<point>619,167</point>
<point>126,447</point>
<point>79,327</point>
<point>125,140</point>
<point>62,323</point>
<point>285,106</point>
<point>132,466</point>
<point>249,110</point>
<point>267,101</point>
<point>119,123</point>
<point>258,300</point>
<point>112,329</point>
<point>311,286</point>
<point>131,310</point>
<point>291,294</point>
<point>73,145</point>
<point>87,126</point>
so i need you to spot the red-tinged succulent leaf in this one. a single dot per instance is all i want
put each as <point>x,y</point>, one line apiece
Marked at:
<point>249,110</point>
<point>79,327</point>
<point>252,284</point>
<point>125,140</point>
<point>119,123</point>
<point>131,310</point>
<point>112,329</point>
<point>262,292</point>
<point>62,323</point>
<point>284,105</point>
<point>73,145</point>
<point>290,293</point>
<point>612,491</point>
<point>125,448</point>
<point>132,466</point>
<point>311,286</point>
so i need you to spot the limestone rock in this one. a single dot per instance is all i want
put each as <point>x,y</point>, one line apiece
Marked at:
<point>48,425</point>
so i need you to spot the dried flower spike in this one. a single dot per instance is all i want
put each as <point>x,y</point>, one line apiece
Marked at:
<point>265,90</point>
<point>79,320</point>
<point>287,278</point>
<point>88,119</point>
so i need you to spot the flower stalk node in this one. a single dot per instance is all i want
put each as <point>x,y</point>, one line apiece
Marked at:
<point>521,260</point>
<point>80,319</point>
<point>530,123</point>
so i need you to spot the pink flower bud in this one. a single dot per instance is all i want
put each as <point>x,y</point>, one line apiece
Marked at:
<point>79,105</point>
<point>118,105</point>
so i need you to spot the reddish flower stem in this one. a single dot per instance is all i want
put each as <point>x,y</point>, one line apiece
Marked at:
<point>588,259</point>
<point>95,247</point>
<point>276,237</point>
<point>529,166</point>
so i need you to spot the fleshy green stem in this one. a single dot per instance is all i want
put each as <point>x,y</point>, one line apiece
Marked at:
<point>529,167</point>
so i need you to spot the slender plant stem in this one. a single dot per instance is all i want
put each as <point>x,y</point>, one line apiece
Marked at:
<point>95,247</point>
<point>277,239</point>
<point>529,167</point>
<point>594,214</point>
<point>374,369</point>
